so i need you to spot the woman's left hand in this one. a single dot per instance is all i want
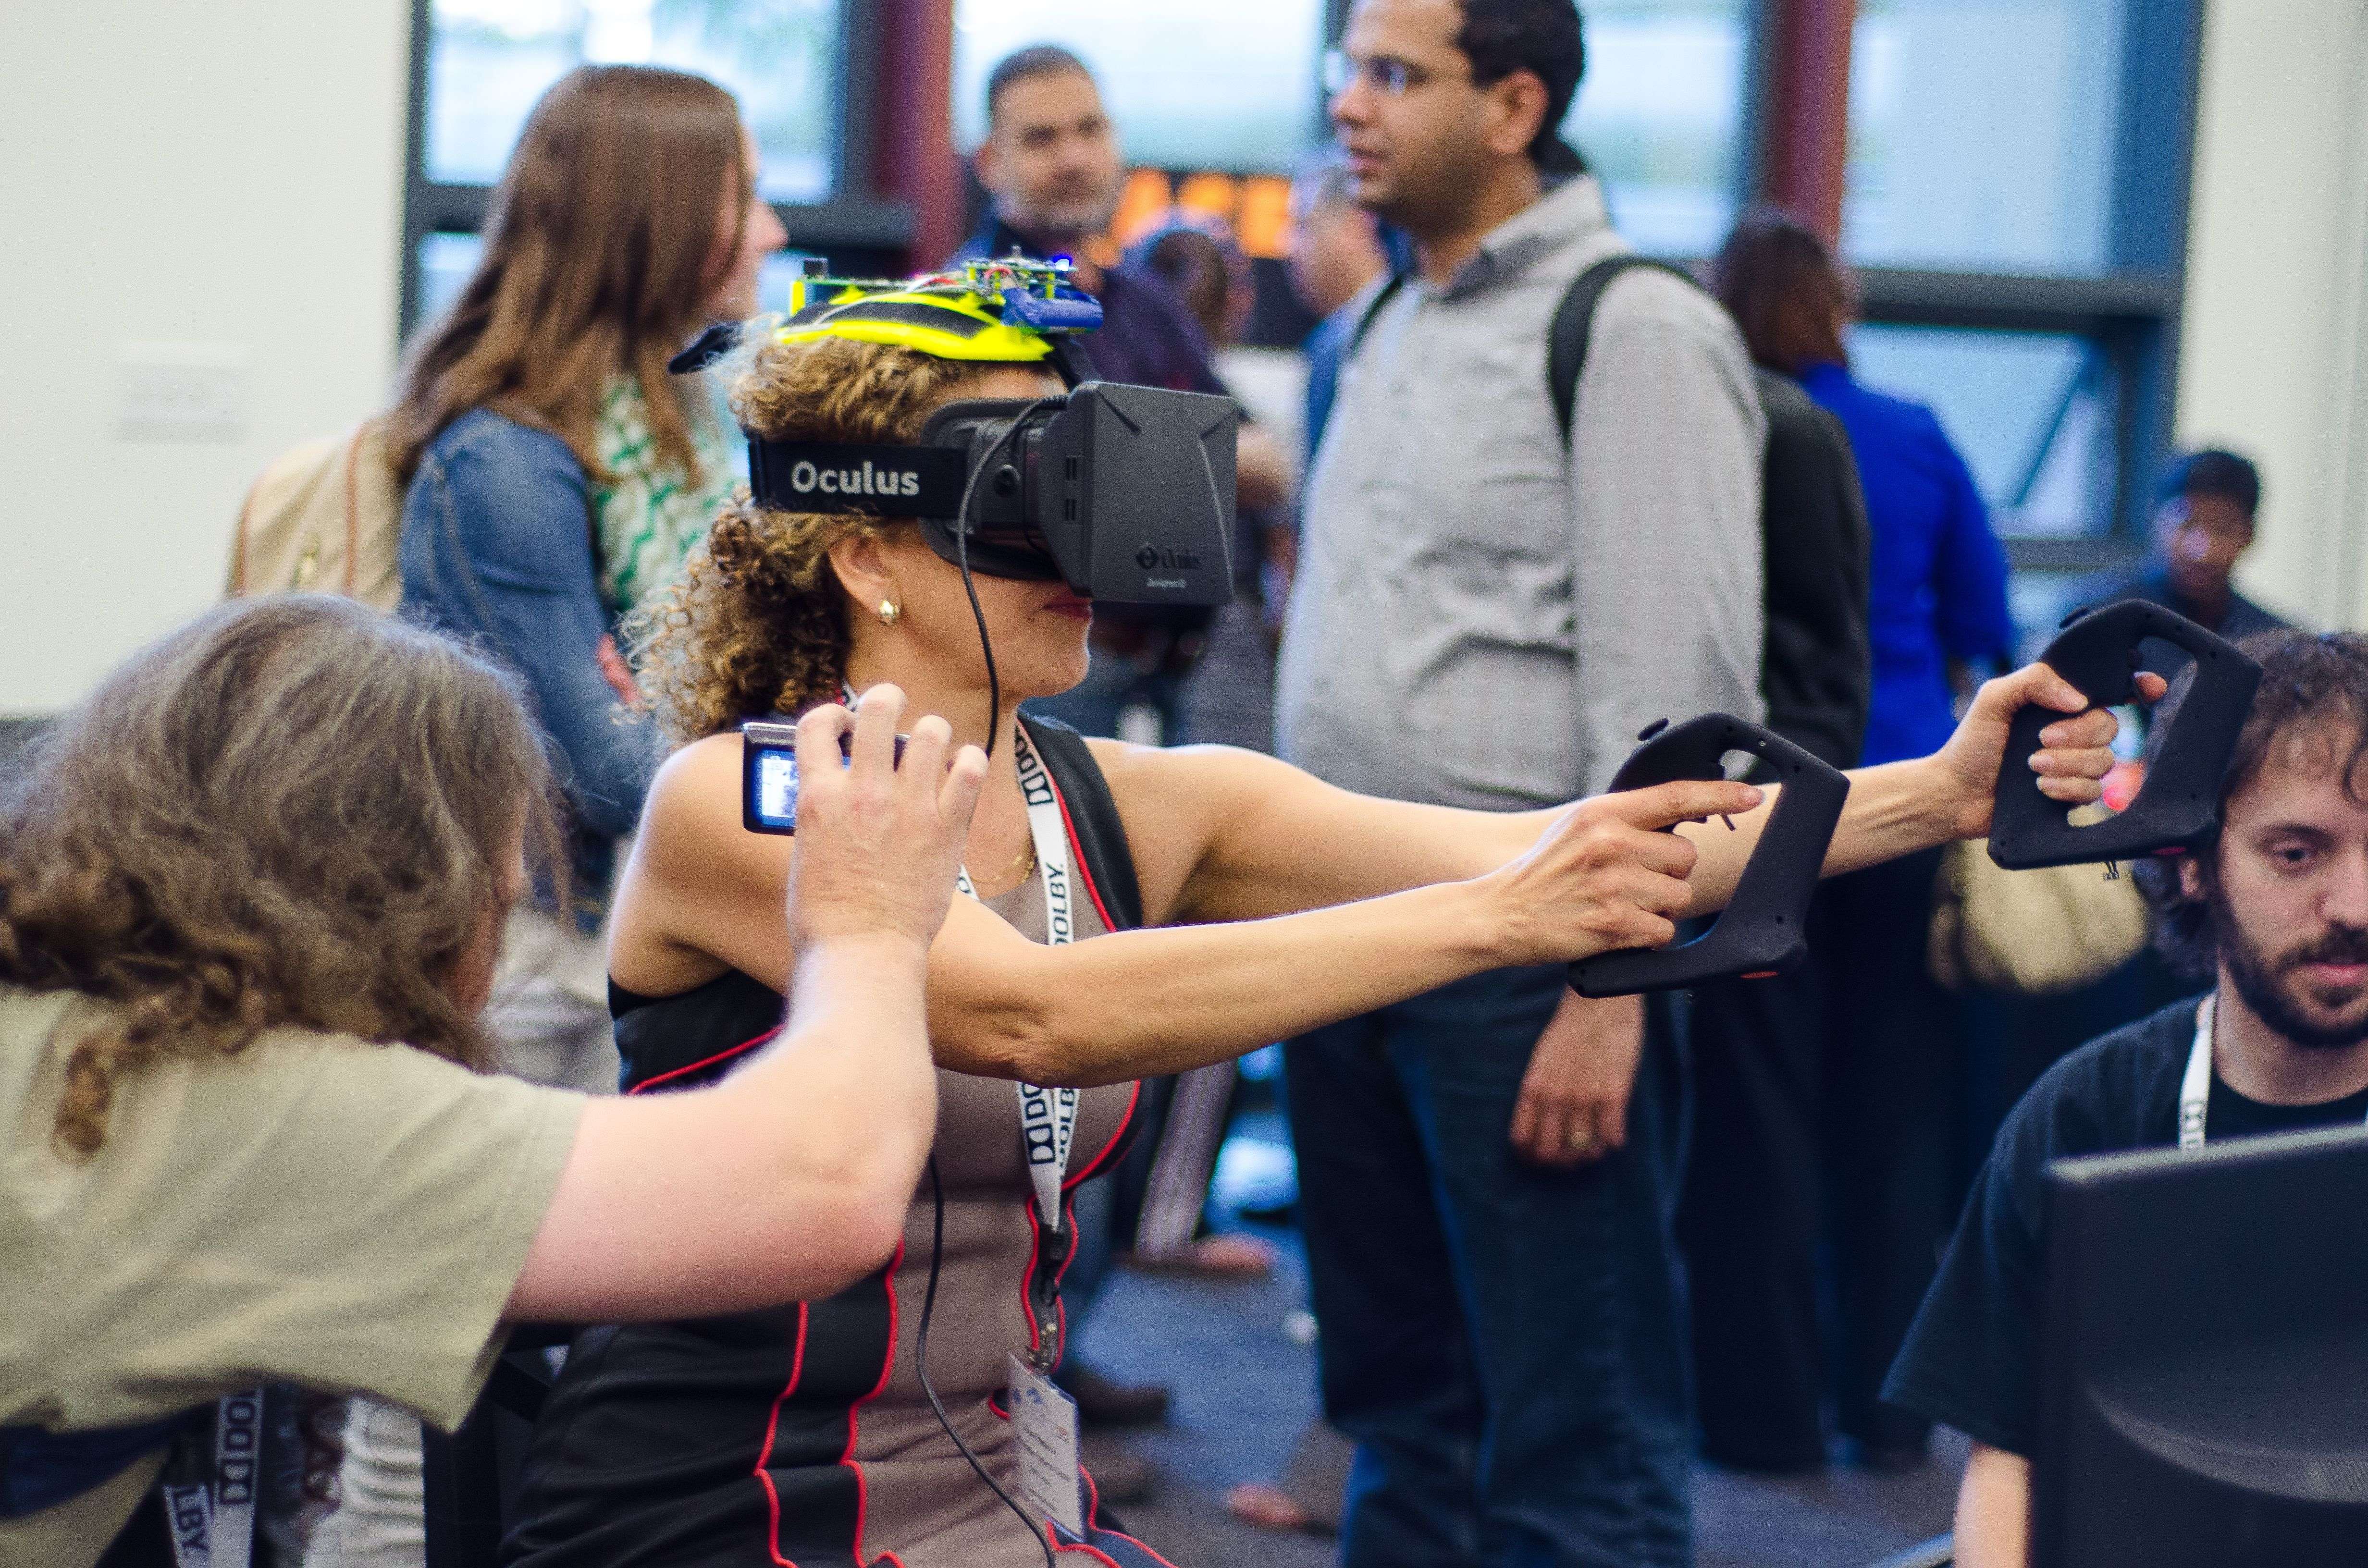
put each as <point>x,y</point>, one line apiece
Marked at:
<point>2076,752</point>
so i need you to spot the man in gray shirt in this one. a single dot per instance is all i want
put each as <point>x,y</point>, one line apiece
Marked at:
<point>1486,618</point>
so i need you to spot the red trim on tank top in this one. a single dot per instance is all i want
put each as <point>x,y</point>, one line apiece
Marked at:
<point>1087,1548</point>
<point>764,1455</point>
<point>772,1426</point>
<point>705,1061</point>
<point>1134,1096</point>
<point>854,1412</point>
<point>1094,1526</point>
<point>1085,869</point>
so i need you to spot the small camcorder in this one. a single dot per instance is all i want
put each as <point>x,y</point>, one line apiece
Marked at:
<point>768,774</point>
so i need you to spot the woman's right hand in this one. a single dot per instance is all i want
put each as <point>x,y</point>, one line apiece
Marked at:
<point>879,842</point>
<point>1603,877</point>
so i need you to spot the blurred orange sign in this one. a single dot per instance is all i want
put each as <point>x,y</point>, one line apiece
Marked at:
<point>1253,210</point>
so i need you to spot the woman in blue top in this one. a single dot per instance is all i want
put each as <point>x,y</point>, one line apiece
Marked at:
<point>1814,1124</point>
<point>1937,577</point>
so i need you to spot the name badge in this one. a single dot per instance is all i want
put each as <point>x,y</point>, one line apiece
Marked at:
<point>1044,1431</point>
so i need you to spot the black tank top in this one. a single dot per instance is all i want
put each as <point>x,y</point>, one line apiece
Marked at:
<point>798,1434</point>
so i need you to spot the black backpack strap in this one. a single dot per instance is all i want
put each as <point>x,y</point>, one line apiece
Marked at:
<point>1814,667</point>
<point>1365,322</point>
<point>1574,320</point>
<point>1093,818</point>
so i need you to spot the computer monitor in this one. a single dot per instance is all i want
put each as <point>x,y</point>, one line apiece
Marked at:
<point>2203,1362</point>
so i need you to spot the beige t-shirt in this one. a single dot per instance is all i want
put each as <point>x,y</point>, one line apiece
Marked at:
<point>316,1210</point>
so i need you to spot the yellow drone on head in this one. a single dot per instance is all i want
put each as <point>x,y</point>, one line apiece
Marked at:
<point>1009,311</point>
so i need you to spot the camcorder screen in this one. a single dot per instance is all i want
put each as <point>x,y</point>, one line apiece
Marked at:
<point>777,789</point>
<point>768,774</point>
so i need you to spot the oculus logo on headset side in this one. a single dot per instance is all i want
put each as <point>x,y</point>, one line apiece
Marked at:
<point>1150,556</point>
<point>866,479</point>
<point>1146,558</point>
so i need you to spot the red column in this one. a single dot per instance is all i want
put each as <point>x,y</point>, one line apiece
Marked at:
<point>913,123</point>
<point>1807,124</point>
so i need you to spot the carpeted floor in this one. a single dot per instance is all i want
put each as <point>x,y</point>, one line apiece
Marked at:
<point>1243,1391</point>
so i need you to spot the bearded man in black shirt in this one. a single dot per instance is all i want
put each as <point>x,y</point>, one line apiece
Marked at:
<point>2276,912</point>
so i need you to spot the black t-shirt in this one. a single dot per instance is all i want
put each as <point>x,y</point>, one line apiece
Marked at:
<point>1971,1360</point>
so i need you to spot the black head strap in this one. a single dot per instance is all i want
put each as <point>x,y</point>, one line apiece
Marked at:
<point>878,481</point>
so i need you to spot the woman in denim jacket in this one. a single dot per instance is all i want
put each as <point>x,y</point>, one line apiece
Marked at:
<point>556,476</point>
<point>557,473</point>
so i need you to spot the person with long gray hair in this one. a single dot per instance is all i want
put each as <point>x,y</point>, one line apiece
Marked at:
<point>251,901</point>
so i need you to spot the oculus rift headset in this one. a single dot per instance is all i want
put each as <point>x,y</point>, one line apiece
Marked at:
<point>1123,493</point>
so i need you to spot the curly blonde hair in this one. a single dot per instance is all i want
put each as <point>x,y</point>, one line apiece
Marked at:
<point>756,623</point>
<point>292,812</point>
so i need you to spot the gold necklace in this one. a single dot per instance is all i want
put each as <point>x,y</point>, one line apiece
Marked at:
<point>1024,862</point>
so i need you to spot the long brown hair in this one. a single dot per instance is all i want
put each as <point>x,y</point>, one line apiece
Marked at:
<point>601,249</point>
<point>1785,292</point>
<point>756,621</point>
<point>294,810</point>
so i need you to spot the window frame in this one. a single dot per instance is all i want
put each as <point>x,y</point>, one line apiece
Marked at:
<point>1794,129</point>
<point>2130,314</point>
<point>859,226</point>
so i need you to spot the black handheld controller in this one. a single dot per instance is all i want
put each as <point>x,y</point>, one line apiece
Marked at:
<point>1761,929</point>
<point>2179,806</point>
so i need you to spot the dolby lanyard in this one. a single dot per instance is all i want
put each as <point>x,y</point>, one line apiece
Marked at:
<point>2195,1089</point>
<point>209,1488</point>
<point>1048,1117</point>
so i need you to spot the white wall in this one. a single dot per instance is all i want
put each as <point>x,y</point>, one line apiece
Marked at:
<point>2276,354</point>
<point>223,176</point>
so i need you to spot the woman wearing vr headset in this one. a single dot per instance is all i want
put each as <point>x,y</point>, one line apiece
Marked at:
<point>1230,899</point>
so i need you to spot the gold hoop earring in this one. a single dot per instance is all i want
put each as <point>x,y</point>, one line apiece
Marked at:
<point>889,612</point>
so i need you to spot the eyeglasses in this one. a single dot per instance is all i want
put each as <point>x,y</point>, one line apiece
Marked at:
<point>1390,78</point>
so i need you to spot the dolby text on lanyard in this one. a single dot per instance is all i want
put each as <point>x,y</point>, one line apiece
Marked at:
<point>1048,1117</point>
<point>208,1488</point>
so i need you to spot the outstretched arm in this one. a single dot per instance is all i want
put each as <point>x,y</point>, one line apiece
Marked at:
<point>1224,834</point>
<point>1902,807</point>
<point>1319,904</point>
<point>1161,1000</point>
<point>1232,853</point>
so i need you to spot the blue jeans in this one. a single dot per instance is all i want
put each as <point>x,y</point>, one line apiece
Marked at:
<point>1506,1343</point>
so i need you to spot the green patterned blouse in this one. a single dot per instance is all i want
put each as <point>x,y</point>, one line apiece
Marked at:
<point>650,517</point>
